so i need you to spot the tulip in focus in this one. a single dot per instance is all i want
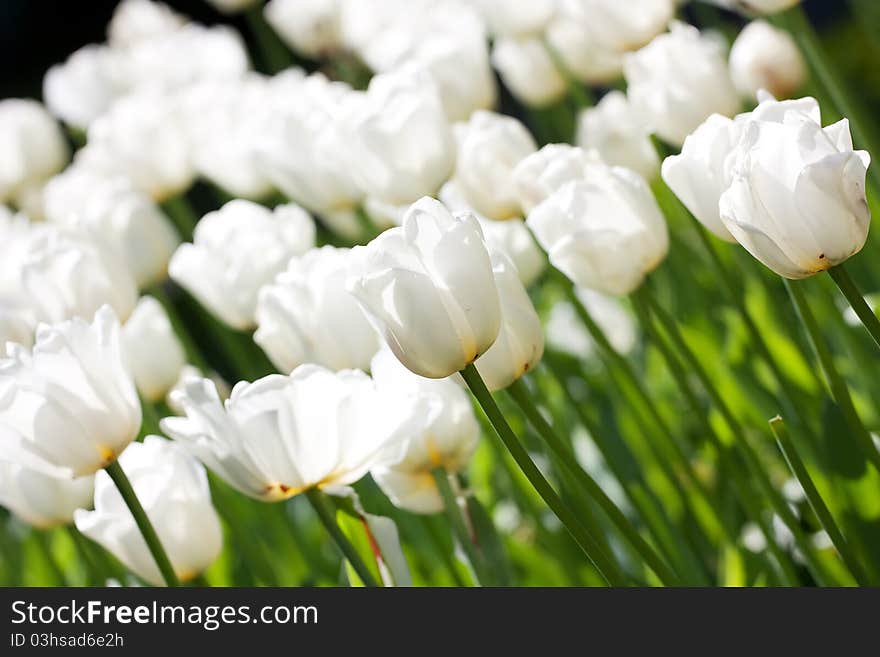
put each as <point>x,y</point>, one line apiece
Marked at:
<point>173,489</point>
<point>235,251</point>
<point>765,57</point>
<point>429,289</point>
<point>151,349</point>
<point>70,402</point>
<point>528,71</point>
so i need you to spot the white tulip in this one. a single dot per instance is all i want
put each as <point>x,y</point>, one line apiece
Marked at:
<point>678,80</point>
<point>528,70</point>
<point>520,18</point>
<point>428,288</point>
<point>310,27</point>
<point>765,57</point>
<point>489,147</point>
<point>152,351</point>
<point>235,251</point>
<point>520,342</point>
<point>622,26</point>
<point>40,500</point>
<point>582,50</point>
<point>440,428</point>
<point>70,402</point>
<point>701,172</point>
<point>605,232</point>
<point>511,236</point>
<point>812,213</point>
<point>542,173</point>
<point>307,316</point>
<point>283,435</point>
<point>173,489</point>
<point>188,372</point>
<point>567,333</point>
<point>135,21</point>
<point>613,130</point>
<point>32,147</point>
<point>17,322</point>
<point>112,208</point>
<point>401,144</point>
<point>83,87</point>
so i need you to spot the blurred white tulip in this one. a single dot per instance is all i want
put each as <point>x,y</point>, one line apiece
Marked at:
<point>623,26</point>
<point>32,147</point>
<point>135,21</point>
<point>520,342</point>
<point>678,80</point>
<point>152,351</point>
<point>583,52</point>
<point>40,500</point>
<point>401,145</point>
<point>567,333</point>
<point>440,430</point>
<point>112,208</point>
<point>310,27</point>
<point>614,131</point>
<point>428,288</point>
<point>528,70</point>
<point>604,232</point>
<point>812,213</point>
<point>517,18</point>
<point>765,57</point>
<point>69,401</point>
<point>542,173</point>
<point>235,251</point>
<point>283,435</point>
<point>173,489</point>
<point>307,316</point>
<point>17,323</point>
<point>490,145</point>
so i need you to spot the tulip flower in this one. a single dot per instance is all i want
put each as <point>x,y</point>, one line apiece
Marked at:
<point>528,70</point>
<point>620,26</point>
<point>428,288</point>
<point>583,51</point>
<point>812,213</point>
<point>765,57</point>
<point>151,349</point>
<point>32,148</point>
<point>307,316</point>
<point>489,147</point>
<point>70,402</point>
<point>678,80</point>
<point>520,342</point>
<point>604,232</point>
<point>613,130</point>
<point>701,173</point>
<point>174,489</point>
<point>540,174</point>
<point>441,431</point>
<point>284,435</point>
<point>135,21</point>
<point>235,251</point>
<point>40,500</point>
<point>16,322</point>
<point>310,27</point>
<point>520,18</point>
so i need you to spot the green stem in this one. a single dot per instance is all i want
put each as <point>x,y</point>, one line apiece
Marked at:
<point>523,398</point>
<point>799,470</point>
<point>94,576</point>
<point>459,528</point>
<point>125,489</point>
<point>839,390</point>
<point>603,564</point>
<point>849,289</point>
<point>276,57</point>
<point>182,214</point>
<point>321,505</point>
<point>42,538</point>
<point>193,354</point>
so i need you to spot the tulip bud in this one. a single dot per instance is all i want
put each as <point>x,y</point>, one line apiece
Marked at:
<point>310,27</point>
<point>520,18</point>
<point>765,57</point>
<point>678,80</point>
<point>135,21</point>
<point>173,489</point>
<point>528,71</point>
<point>701,173</point>
<point>307,316</point>
<point>489,147</point>
<point>40,500</point>
<point>812,213</point>
<point>283,435</point>
<point>440,428</point>
<point>401,144</point>
<point>32,147</point>
<point>70,399</point>
<point>429,290</point>
<point>520,342</point>
<point>151,349</point>
<point>542,173</point>
<point>235,251</point>
<point>605,232</point>
<point>614,131</point>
